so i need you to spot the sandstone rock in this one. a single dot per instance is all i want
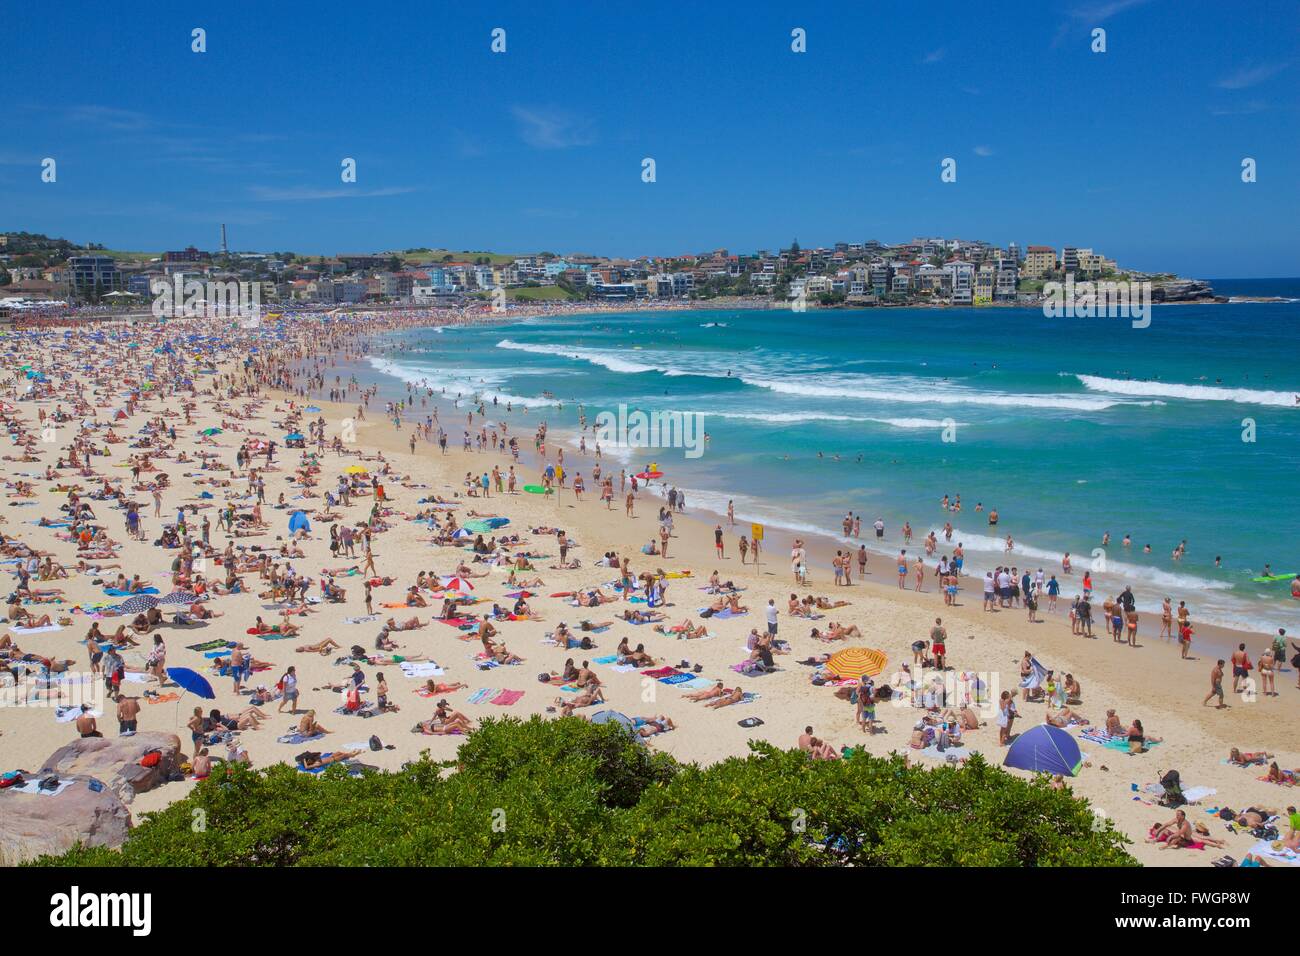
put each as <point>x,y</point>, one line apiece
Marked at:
<point>116,761</point>
<point>32,825</point>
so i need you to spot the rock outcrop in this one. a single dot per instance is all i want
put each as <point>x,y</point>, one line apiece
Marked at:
<point>98,777</point>
<point>116,761</point>
<point>1184,290</point>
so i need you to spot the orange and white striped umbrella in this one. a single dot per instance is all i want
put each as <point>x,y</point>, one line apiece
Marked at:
<point>857,662</point>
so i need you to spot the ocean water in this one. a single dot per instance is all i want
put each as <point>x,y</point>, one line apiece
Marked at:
<point>1069,427</point>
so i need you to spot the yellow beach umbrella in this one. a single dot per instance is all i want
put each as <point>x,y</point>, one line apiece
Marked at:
<point>857,662</point>
<point>357,469</point>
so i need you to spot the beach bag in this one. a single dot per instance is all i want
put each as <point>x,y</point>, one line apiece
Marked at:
<point>11,779</point>
<point>151,758</point>
<point>376,743</point>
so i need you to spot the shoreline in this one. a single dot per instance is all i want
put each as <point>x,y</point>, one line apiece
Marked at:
<point>1222,634</point>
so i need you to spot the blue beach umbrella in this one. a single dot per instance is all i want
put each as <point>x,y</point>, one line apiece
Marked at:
<point>191,681</point>
<point>299,520</point>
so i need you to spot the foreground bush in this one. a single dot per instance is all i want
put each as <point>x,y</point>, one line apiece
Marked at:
<point>568,793</point>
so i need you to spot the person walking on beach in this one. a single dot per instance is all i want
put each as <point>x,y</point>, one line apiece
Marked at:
<point>717,540</point>
<point>772,613</point>
<point>1216,685</point>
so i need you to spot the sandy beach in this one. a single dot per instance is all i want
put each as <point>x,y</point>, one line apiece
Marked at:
<point>86,380</point>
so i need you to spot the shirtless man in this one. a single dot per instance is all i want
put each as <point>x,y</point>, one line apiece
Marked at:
<point>128,713</point>
<point>1216,685</point>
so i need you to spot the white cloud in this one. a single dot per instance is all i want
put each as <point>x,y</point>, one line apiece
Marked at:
<point>549,128</point>
<point>1250,76</point>
<point>301,193</point>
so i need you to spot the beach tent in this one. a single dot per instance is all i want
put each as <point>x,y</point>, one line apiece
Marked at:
<point>298,520</point>
<point>612,717</point>
<point>1045,749</point>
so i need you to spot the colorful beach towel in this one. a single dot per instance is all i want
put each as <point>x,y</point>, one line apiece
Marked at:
<point>508,697</point>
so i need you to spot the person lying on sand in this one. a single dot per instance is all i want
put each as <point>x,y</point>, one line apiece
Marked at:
<point>651,726</point>
<point>286,629</point>
<point>1064,716</point>
<point>1248,759</point>
<point>588,696</point>
<point>686,630</point>
<point>433,687</point>
<point>708,693</point>
<point>321,647</point>
<point>733,696</point>
<point>410,624</point>
<point>642,616</point>
<point>311,760</point>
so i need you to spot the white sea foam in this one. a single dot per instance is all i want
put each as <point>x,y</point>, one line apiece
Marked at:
<point>1196,393</point>
<point>607,358</point>
<point>797,417</point>
<point>466,382</point>
<point>919,392</point>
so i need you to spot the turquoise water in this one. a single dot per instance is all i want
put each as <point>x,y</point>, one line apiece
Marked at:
<point>1069,427</point>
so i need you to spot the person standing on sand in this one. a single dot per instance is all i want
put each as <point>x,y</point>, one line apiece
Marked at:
<point>717,540</point>
<point>1216,686</point>
<point>744,548</point>
<point>1240,667</point>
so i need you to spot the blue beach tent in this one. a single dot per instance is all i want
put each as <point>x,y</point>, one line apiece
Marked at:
<point>1045,749</point>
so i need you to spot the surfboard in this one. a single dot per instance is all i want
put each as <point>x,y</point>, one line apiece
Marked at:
<point>1274,577</point>
<point>535,489</point>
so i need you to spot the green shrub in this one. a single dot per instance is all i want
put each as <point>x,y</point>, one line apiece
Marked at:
<point>569,793</point>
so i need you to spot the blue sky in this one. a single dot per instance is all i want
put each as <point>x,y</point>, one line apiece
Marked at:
<point>1136,152</point>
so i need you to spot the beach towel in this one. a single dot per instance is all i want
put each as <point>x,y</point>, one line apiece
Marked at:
<point>658,672</point>
<point>66,715</point>
<point>421,669</point>
<point>607,659</point>
<point>1265,849</point>
<point>724,614</point>
<point>951,754</point>
<point>162,698</point>
<point>367,711</point>
<point>508,697</point>
<point>44,629</point>
<point>115,592</point>
<point>481,695</point>
<point>353,771</point>
<point>297,738</point>
<point>676,679</point>
<point>34,786</point>
<point>210,645</point>
<point>365,619</point>
<point>695,683</point>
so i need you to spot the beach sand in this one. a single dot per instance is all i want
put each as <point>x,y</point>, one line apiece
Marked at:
<point>1149,682</point>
